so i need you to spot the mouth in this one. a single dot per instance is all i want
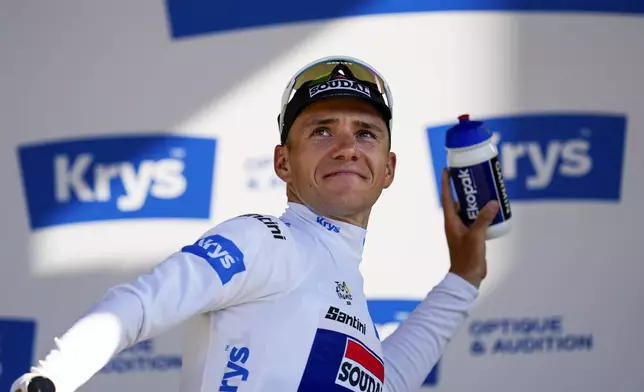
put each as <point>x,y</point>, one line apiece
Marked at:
<point>342,173</point>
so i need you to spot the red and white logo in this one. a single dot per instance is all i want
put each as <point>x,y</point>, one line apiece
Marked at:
<point>360,369</point>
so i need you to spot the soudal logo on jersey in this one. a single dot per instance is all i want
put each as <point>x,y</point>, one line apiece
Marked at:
<point>338,362</point>
<point>221,253</point>
<point>339,84</point>
<point>550,156</point>
<point>110,178</point>
<point>360,370</point>
<point>327,225</point>
<point>236,372</point>
<point>336,314</point>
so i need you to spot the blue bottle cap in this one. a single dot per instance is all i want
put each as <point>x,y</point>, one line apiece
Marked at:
<point>466,133</point>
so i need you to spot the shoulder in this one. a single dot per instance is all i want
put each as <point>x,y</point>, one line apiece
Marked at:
<point>235,244</point>
<point>259,226</point>
<point>250,232</point>
<point>258,247</point>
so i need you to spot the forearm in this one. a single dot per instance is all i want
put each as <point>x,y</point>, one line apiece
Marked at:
<point>107,328</point>
<point>418,343</point>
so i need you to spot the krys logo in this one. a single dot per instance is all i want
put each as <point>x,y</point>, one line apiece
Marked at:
<point>552,156</point>
<point>142,357</point>
<point>387,316</point>
<point>16,349</point>
<point>117,178</point>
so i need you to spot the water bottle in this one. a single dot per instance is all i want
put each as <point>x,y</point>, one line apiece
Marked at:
<point>475,170</point>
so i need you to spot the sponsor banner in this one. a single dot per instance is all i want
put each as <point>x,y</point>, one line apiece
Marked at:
<point>260,175</point>
<point>195,17</point>
<point>525,336</point>
<point>552,156</point>
<point>117,178</point>
<point>16,349</point>
<point>142,358</point>
<point>107,191</point>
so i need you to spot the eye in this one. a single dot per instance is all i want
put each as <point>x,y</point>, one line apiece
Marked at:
<point>321,132</point>
<point>367,134</point>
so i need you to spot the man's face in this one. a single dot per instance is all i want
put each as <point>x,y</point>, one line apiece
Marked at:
<point>337,159</point>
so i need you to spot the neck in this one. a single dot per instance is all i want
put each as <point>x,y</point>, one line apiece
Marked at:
<point>360,219</point>
<point>346,240</point>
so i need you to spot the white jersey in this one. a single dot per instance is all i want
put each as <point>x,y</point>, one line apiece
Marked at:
<point>271,304</point>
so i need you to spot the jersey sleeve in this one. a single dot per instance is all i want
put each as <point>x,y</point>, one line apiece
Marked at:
<point>237,261</point>
<point>413,349</point>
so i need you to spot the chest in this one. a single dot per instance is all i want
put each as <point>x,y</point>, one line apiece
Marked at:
<point>345,351</point>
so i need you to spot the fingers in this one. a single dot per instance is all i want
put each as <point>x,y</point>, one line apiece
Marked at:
<point>449,204</point>
<point>486,216</point>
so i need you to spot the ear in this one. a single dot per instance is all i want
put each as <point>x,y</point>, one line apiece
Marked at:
<point>281,163</point>
<point>390,170</point>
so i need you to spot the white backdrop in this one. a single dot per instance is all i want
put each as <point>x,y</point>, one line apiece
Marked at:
<point>559,310</point>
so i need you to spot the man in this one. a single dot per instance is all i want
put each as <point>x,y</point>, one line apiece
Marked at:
<point>277,304</point>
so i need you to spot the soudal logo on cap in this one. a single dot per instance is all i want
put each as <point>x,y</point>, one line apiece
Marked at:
<point>339,84</point>
<point>360,369</point>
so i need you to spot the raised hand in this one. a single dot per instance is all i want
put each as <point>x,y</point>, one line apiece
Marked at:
<point>466,244</point>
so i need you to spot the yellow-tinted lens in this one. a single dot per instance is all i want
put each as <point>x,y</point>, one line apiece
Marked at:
<point>323,70</point>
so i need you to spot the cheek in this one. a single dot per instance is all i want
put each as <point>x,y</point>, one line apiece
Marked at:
<point>377,163</point>
<point>304,166</point>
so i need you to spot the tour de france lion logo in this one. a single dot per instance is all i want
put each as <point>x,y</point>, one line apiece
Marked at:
<point>343,291</point>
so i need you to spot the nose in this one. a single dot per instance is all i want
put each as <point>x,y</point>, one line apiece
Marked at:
<point>345,146</point>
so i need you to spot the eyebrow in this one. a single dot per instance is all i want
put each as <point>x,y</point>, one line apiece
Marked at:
<point>327,121</point>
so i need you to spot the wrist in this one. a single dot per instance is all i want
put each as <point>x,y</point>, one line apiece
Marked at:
<point>472,278</point>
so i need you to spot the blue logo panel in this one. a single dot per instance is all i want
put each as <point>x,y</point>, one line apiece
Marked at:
<point>111,178</point>
<point>222,255</point>
<point>391,311</point>
<point>338,362</point>
<point>552,156</point>
<point>196,17</point>
<point>16,349</point>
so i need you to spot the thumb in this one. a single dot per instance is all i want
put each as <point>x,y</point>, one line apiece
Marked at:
<point>486,216</point>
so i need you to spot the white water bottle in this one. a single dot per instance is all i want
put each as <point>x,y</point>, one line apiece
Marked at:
<point>475,170</point>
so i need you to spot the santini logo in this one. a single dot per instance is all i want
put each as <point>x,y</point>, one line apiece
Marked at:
<point>546,156</point>
<point>336,314</point>
<point>117,178</point>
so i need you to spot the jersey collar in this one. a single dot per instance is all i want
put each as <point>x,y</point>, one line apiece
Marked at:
<point>331,230</point>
